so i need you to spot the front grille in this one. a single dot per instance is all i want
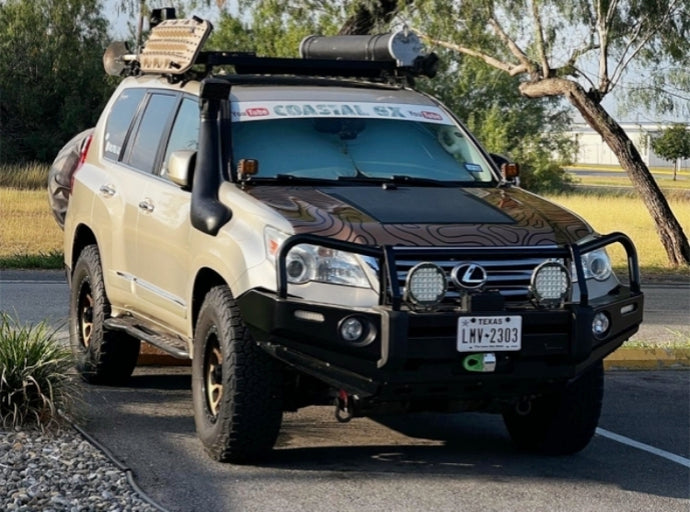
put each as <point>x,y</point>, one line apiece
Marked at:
<point>511,277</point>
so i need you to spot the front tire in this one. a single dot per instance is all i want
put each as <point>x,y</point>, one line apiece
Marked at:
<point>101,357</point>
<point>562,423</point>
<point>236,387</point>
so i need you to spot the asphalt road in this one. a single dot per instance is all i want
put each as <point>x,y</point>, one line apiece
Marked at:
<point>639,461</point>
<point>425,462</point>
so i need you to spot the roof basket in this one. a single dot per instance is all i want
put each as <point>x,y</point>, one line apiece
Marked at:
<point>174,47</point>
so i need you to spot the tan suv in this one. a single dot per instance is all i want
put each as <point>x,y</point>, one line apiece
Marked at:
<point>316,231</point>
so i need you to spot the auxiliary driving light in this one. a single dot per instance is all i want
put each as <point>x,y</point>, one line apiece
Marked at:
<point>550,283</point>
<point>426,285</point>
<point>600,324</point>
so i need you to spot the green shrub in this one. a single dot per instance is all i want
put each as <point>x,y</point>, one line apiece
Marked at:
<point>37,382</point>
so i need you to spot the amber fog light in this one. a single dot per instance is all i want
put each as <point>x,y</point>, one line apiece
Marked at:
<point>550,283</point>
<point>426,285</point>
<point>600,324</point>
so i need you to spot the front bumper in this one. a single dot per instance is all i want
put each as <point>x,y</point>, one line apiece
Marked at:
<point>414,356</point>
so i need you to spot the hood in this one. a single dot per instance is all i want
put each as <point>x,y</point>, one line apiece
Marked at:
<point>424,216</point>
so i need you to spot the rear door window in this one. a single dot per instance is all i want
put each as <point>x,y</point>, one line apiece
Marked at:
<point>154,123</point>
<point>121,114</point>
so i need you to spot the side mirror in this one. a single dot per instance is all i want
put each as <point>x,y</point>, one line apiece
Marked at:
<point>181,166</point>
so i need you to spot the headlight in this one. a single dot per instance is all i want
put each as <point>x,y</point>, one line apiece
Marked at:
<point>306,263</point>
<point>312,263</point>
<point>596,265</point>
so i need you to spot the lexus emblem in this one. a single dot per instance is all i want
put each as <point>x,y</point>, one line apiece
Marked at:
<point>469,276</point>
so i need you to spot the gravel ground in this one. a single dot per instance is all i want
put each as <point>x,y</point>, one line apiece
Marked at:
<point>61,471</point>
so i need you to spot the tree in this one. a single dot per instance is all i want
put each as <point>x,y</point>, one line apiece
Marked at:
<point>673,145</point>
<point>551,44</point>
<point>52,83</point>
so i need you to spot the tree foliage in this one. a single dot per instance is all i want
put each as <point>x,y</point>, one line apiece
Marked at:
<point>579,50</point>
<point>52,83</point>
<point>673,145</point>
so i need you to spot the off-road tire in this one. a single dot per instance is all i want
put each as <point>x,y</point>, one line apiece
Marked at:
<point>237,403</point>
<point>101,357</point>
<point>562,423</point>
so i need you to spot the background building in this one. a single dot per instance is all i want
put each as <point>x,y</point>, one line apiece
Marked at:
<point>592,150</point>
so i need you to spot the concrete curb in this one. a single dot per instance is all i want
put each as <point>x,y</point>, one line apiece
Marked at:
<point>648,358</point>
<point>625,358</point>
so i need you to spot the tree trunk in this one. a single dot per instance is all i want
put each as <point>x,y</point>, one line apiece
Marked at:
<point>667,226</point>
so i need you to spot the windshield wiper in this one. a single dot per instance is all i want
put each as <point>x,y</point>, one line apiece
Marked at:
<point>289,178</point>
<point>400,180</point>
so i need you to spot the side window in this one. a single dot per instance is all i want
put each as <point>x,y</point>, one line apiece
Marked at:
<point>119,121</point>
<point>154,122</point>
<point>185,131</point>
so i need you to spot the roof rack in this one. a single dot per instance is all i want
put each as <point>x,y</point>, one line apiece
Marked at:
<point>174,48</point>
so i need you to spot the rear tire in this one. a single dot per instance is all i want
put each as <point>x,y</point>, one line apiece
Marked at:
<point>236,387</point>
<point>101,357</point>
<point>562,423</point>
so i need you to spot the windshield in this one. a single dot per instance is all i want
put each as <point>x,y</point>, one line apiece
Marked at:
<point>378,142</point>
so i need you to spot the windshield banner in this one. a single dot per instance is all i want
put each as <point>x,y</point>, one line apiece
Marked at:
<point>261,110</point>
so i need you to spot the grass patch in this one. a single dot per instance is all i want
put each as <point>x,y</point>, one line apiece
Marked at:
<point>608,213</point>
<point>43,261</point>
<point>37,382</point>
<point>31,176</point>
<point>29,235</point>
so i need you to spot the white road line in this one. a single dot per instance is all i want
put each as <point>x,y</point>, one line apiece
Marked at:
<point>645,447</point>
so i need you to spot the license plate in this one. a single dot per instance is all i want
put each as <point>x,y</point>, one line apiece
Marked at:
<point>489,333</point>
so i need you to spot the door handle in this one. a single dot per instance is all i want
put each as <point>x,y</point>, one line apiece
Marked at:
<point>146,205</point>
<point>107,190</point>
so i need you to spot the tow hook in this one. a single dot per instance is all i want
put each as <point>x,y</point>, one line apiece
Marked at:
<point>343,407</point>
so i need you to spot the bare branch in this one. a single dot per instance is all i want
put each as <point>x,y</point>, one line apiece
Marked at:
<point>511,69</point>
<point>512,46</point>
<point>541,45</point>
<point>603,31</point>
<point>578,52</point>
<point>625,58</point>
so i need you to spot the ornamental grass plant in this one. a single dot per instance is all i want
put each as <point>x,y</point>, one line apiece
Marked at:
<point>37,383</point>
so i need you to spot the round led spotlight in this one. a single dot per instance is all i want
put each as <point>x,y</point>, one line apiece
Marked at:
<point>550,283</point>
<point>426,285</point>
<point>600,324</point>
